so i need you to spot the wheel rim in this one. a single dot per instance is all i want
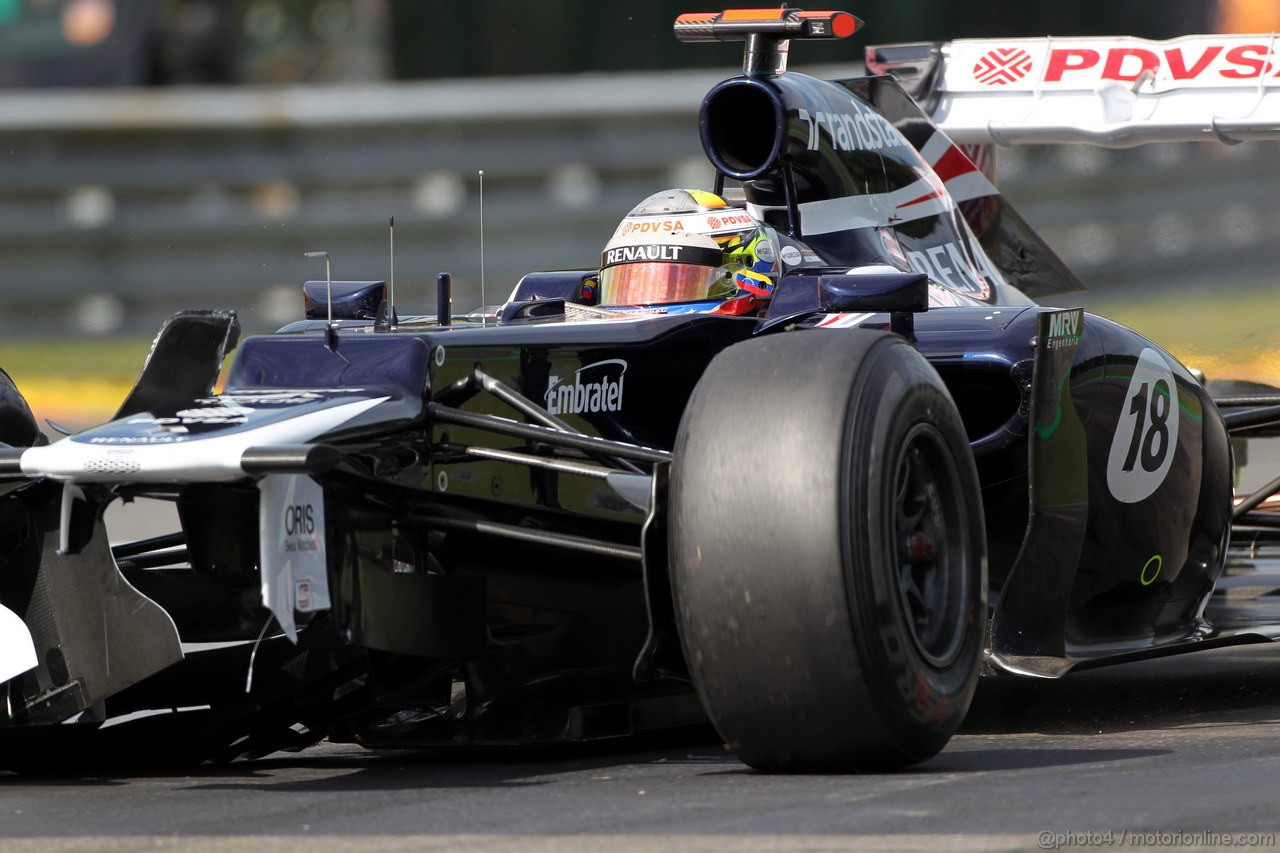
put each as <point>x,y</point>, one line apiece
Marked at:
<point>929,545</point>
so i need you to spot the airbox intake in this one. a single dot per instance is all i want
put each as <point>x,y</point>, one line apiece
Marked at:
<point>743,126</point>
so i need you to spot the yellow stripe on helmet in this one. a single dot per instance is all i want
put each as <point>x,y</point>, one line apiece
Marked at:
<point>711,201</point>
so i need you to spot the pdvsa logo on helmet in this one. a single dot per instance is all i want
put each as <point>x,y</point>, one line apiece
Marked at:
<point>650,226</point>
<point>729,220</point>
<point>595,388</point>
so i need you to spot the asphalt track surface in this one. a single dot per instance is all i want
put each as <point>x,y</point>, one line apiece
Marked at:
<point>1179,745</point>
<point>1175,753</point>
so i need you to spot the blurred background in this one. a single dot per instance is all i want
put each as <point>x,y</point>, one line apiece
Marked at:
<point>162,154</point>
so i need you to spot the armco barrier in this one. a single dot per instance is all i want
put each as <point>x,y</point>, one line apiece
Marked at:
<point>117,208</point>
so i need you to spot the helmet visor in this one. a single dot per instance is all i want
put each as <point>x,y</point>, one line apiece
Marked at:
<point>659,282</point>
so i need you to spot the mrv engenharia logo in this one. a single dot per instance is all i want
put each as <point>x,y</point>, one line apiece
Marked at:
<point>596,387</point>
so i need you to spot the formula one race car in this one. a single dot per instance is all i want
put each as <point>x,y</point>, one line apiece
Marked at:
<point>800,455</point>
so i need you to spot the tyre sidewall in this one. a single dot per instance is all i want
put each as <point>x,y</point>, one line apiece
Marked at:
<point>919,704</point>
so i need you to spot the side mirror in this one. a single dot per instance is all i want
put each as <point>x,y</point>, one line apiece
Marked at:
<point>900,294</point>
<point>352,300</point>
<point>569,285</point>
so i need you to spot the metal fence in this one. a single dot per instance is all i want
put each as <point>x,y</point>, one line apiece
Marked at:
<point>117,208</point>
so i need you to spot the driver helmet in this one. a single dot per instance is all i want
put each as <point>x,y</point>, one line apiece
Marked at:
<point>685,246</point>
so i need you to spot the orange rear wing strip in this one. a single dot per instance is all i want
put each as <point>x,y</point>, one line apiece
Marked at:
<point>778,24</point>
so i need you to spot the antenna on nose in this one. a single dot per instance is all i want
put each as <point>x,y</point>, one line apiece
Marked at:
<point>330,334</point>
<point>391,285</point>
<point>483,303</point>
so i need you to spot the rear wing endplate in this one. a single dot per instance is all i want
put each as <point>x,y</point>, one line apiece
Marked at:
<point>1112,91</point>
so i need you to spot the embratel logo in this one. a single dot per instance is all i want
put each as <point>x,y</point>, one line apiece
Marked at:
<point>1002,66</point>
<point>595,388</point>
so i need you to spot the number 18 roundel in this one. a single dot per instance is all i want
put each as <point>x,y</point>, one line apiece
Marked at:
<point>1146,432</point>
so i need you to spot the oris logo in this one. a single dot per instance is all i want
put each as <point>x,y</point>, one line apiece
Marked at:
<point>299,518</point>
<point>595,388</point>
<point>1002,66</point>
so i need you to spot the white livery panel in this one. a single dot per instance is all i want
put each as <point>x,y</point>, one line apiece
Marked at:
<point>1113,91</point>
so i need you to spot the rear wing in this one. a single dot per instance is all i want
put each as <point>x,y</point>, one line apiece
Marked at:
<point>1111,91</point>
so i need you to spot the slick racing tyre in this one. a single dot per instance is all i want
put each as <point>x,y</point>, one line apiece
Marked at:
<point>828,552</point>
<point>17,424</point>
